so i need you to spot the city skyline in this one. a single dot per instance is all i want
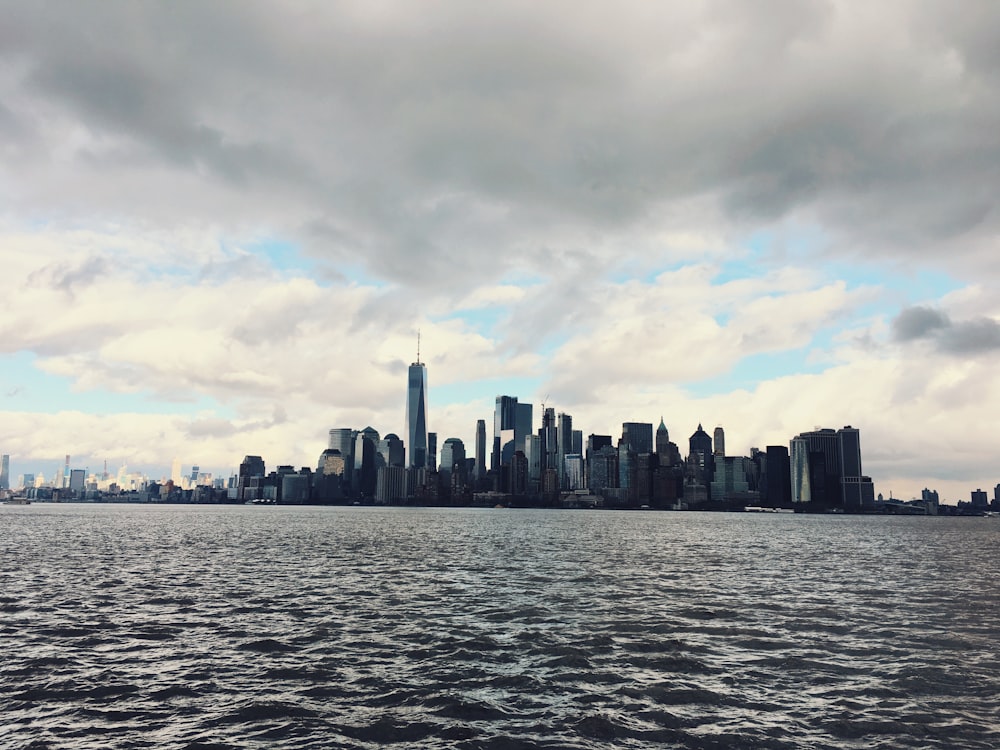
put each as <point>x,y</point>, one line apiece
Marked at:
<point>222,233</point>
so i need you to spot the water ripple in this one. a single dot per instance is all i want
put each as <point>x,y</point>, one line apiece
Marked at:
<point>234,627</point>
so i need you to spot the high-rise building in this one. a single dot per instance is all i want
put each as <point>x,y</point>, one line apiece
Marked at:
<point>594,444</point>
<point>416,414</point>
<point>662,440</point>
<point>550,440</point>
<point>452,458</point>
<point>778,477</point>
<point>522,425</point>
<point>719,441</point>
<point>533,453</point>
<point>574,471</point>
<point>480,448</point>
<point>341,440</point>
<point>638,436</point>
<point>391,450</point>
<point>833,458</point>
<point>798,455</point>
<point>432,450</point>
<point>5,472</point>
<point>251,469</point>
<point>602,466</point>
<point>504,423</point>
<point>700,450</point>
<point>564,436</point>
<point>365,466</point>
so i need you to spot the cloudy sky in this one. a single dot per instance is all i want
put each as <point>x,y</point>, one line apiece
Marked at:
<point>222,224</point>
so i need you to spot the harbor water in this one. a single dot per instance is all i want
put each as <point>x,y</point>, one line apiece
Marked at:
<point>135,626</point>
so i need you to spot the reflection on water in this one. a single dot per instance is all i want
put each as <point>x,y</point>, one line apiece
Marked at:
<point>234,626</point>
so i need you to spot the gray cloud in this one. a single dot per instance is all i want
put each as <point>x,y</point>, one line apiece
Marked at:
<point>433,147</point>
<point>918,322</point>
<point>961,338</point>
<point>973,337</point>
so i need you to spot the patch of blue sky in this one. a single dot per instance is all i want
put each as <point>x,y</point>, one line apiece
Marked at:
<point>482,320</point>
<point>486,390</point>
<point>751,371</point>
<point>281,255</point>
<point>25,387</point>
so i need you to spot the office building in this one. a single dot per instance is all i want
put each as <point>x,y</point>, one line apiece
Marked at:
<point>777,475</point>
<point>480,448</point>
<point>549,434</point>
<point>825,469</point>
<point>638,436</point>
<point>432,450</point>
<point>252,468</point>
<point>416,414</point>
<point>564,438</point>
<point>700,455</point>
<point>719,442</point>
<point>505,417</point>
<point>392,451</point>
<point>452,459</point>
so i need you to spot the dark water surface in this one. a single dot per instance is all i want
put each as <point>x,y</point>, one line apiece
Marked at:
<point>197,627</point>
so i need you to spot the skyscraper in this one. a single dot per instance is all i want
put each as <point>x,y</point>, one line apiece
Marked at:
<point>432,450</point>
<point>638,436</point>
<point>453,458</point>
<point>834,473</point>
<point>720,441</point>
<point>550,440</point>
<point>504,426</point>
<point>4,472</point>
<point>522,425</point>
<point>480,448</point>
<point>564,430</point>
<point>700,447</point>
<point>662,440</point>
<point>416,413</point>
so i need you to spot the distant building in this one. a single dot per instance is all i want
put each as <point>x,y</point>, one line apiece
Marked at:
<point>251,468</point>
<point>391,450</point>
<point>452,458</point>
<point>480,448</point>
<point>432,450</point>
<point>574,471</point>
<point>638,436</point>
<point>505,417</point>
<point>416,414</point>
<point>5,472</point>
<point>77,478</point>
<point>700,450</point>
<point>719,440</point>
<point>777,477</point>
<point>391,485</point>
<point>564,439</point>
<point>825,469</point>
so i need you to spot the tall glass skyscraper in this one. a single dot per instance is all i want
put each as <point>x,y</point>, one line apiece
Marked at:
<point>416,414</point>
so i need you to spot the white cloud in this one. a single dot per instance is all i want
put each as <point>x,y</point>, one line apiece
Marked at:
<point>586,180</point>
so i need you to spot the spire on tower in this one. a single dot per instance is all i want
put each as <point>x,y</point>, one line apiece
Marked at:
<point>418,346</point>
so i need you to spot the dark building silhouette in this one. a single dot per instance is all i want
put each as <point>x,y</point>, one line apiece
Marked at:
<point>700,448</point>
<point>778,477</point>
<point>251,474</point>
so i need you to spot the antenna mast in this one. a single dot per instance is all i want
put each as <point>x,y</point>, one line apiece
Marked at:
<point>418,346</point>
